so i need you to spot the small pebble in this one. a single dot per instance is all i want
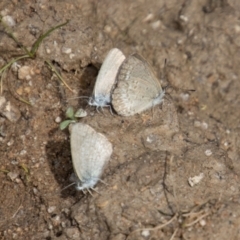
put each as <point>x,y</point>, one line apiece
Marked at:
<point>15,66</point>
<point>204,125</point>
<point>195,180</point>
<point>4,12</point>
<point>63,224</point>
<point>51,209</point>
<point>19,91</point>
<point>197,124</point>
<point>145,233</point>
<point>35,191</point>
<point>208,152</point>
<point>50,226</point>
<point>184,18</point>
<point>12,175</point>
<point>14,162</point>
<point>56,220</point>
<point>14,236</point>
<point>237,28</point>
<point>71,56</point>
<point>48,51</point>
<point>66,211</point>
<point>10,143</point>
<point>25,72</point>
<point>156,24</point>
<point>66,50</point>
<point>202,222</point>
<point>184,96</point>
<point>148,18</point>
<point>58,119</point>
<point>18,180</point>
<point>9,21</point>
<point>226,144</point>
<point>180,41</point>
<point>107,29</point>
<point>23,152</point>
<point>72,233</point>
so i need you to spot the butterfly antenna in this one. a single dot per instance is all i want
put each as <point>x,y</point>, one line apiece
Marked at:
<point>68,186</point>
<point>86,101</point>
<point>78,97</point>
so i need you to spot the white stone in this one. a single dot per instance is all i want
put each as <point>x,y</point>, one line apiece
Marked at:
<point>195,180</point>
<point>9,21</point>
<point>208,152</point>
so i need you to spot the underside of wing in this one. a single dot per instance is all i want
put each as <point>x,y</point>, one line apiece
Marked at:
<point>90,152</point>
<point>137,67</point>
<point>133,97</point>
<point>137,88</point>
<point>107,74</point>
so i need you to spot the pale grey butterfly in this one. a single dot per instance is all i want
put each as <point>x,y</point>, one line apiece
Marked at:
<point>90,152</point>
<point>101,96</point>
<point>137,89</point>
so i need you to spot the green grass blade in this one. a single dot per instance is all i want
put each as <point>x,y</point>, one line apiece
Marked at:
<point>40,39</point>
<point>58,75</point>
<point>11,62</point>
<point>8,31</point>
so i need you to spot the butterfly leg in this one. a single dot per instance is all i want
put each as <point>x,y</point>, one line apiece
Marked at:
<point>95,191</point>
<point>103,182</point>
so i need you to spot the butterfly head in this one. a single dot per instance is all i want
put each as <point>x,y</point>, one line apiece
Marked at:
<point>159,98</point>
<point>99,101</point>
<point>87,184</point>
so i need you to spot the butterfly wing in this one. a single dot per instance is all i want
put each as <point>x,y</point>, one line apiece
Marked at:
<point>107,76</point>
<point>137,87</point>
<point>90,152</point>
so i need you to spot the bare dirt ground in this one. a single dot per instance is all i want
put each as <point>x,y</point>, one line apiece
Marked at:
<point>173,174</point>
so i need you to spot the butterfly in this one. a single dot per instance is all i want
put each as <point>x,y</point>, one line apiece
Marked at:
<point>101,96</point>
<point>90,152</point>
<point>137,89</point>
